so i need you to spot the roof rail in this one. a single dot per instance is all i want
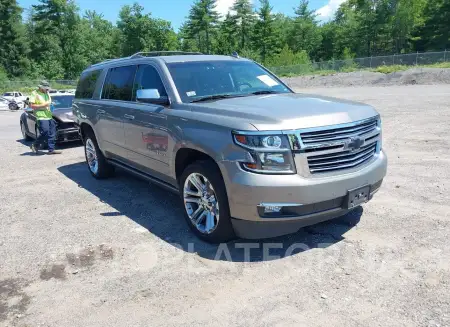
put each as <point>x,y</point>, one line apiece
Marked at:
<point>149,54</point>
<point>163,53</point>
<point>108,60</point>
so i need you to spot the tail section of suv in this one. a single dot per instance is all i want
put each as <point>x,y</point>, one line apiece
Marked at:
<point>248,156</point>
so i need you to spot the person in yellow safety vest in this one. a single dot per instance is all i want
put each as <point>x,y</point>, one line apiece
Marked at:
<point>40,102</point>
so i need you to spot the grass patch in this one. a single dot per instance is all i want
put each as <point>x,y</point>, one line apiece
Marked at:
<point>390,69</point>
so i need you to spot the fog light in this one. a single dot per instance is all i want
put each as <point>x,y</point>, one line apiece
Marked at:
<point>272,209</point>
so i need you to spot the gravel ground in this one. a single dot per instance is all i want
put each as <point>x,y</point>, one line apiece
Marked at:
<point>79,252</point>
<point>421,76</point>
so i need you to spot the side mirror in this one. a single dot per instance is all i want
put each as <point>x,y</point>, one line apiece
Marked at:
<point>151,96</point>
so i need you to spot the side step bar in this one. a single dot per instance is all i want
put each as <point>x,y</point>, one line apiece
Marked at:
<point>145,176</point>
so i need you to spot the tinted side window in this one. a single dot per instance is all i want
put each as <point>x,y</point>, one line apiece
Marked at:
<point>147,77</point>
<point>86,84</point>
<point>119,83</point>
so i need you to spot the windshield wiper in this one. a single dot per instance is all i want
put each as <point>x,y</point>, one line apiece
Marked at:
<point>264,92</point>
<point>216,97</point>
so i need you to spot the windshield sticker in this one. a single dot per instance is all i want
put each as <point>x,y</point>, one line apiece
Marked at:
<point>191,94</point>
<point>269,81</point>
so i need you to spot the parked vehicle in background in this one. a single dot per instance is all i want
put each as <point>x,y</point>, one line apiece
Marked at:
<point>4,104</point>
<point>66,131</point>
<point>248,156</point>
<point>70,91</point>
<point>16,99</point>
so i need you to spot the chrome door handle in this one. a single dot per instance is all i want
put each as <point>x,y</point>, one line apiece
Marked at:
<point>100,111</point>
<point>130,117</point>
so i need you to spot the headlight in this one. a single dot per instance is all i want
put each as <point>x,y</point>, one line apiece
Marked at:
<point>267,154</point>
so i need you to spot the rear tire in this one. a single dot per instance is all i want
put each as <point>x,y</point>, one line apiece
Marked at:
<point>215,224</point>
<point>96,161</point>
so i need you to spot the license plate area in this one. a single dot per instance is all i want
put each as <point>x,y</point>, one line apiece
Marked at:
<point>358,196</point>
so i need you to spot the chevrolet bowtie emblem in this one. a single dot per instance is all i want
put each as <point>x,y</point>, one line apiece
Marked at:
<point>354,143</point>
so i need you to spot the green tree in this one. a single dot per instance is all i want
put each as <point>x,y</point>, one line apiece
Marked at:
<point>305,34</point>
<point>202,23</point>
<point>56,39</point>
<point>98,37</point>
<point>434,34</point>
<point>287,57</point>
<point>135,28</point>
<point>408,16</point>
<point>244,20</point>
<point>13,45</point>
<point>141,32</point>
<point>227,41</point>
<point>283,26</point>
<point>265,37</point>
<point>187,43</point>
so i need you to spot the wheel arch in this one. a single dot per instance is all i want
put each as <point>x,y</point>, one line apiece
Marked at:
<point>186,156</point>
<point>84,129</point>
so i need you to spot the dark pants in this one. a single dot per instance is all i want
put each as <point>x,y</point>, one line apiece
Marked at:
<point>47,131</point>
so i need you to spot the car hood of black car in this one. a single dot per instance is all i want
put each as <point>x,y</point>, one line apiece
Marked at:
<point>64,114</point>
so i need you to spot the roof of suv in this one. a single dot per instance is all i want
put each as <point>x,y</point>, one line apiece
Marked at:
<point>172,59</point>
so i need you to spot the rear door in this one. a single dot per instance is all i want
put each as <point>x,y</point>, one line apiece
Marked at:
<point>116,94</point>
<point>146,134</point>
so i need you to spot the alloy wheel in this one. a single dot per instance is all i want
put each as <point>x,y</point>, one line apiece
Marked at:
<point>91,156</point>
<point>200,202</point>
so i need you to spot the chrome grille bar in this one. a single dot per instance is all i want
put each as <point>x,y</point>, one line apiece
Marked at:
<point>342,166</point>
<point>342,158</point>
<point>309,138</point>
<point>333,148</point>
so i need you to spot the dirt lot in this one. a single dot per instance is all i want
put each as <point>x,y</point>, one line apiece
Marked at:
<point>412,76</point>
<point>78,252</point>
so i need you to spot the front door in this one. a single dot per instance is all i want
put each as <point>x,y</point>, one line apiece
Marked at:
<point>116,95</point>
<point>146,134</point>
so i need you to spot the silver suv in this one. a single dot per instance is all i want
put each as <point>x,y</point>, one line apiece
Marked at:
<point>249,157</point>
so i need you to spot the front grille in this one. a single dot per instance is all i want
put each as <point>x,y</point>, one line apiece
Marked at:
<point>339,133</point>
<point>333,148</point>
<point>341,160</point>
<point>65,125</point>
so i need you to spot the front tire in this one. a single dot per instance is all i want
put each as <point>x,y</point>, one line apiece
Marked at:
<point>97,164</point>
<point>205,201</point>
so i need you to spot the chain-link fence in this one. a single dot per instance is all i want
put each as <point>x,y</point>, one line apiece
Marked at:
<point>410,59</point>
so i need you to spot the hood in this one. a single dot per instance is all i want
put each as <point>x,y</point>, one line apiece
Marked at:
<point>288,111</point>
<point>65,115</point>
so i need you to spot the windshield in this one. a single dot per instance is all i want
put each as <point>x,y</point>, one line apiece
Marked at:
<point>196,80</point>
<point>60,102</point>
<point>8,94</point>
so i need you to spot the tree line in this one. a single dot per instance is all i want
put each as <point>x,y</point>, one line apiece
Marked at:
<point>56,41</point>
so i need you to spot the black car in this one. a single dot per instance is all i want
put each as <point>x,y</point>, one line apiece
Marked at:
<point>66,131</point>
